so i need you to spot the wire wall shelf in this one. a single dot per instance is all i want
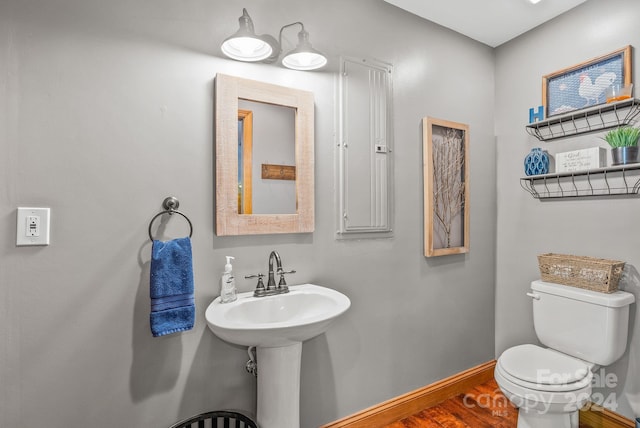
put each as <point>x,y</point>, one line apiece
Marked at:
<point>602,182</point>
<point>592,119</point>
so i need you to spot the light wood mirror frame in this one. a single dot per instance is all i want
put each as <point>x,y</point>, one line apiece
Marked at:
<point>229,90</point>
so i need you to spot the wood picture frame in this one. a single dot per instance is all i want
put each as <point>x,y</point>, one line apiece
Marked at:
<point>584,85</point>
<point>446,187</point>
<point>278,172</point>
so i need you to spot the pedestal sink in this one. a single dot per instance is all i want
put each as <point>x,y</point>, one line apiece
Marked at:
<point>277,326</point>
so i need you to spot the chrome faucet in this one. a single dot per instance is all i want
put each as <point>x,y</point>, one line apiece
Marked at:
<point>272,288</point>
<point>271,283</point>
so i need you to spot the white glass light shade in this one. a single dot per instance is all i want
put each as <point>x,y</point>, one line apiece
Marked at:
<point>304,60</point>
<point>245,45</point>
<point>304,56</point>
<point>246,48</point>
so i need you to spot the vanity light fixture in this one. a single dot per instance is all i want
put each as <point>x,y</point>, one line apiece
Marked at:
<point>304,56</point>
<point>534,1</point>
<point>245,45</point>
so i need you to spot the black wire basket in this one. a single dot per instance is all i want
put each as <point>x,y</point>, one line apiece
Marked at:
<point>217,419</point>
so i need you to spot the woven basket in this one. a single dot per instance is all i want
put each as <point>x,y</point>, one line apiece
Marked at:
<point>580,271</point>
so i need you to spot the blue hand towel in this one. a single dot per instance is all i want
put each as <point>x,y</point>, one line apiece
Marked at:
<point>172,303</point>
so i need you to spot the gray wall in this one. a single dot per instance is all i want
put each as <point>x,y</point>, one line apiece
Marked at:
<point>106,108</point>
<point>592,227</point>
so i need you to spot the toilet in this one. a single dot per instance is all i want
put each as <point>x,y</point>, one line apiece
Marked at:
<point>581,331</point>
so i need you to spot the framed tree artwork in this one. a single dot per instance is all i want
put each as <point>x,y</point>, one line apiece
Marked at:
<point>446,187</point>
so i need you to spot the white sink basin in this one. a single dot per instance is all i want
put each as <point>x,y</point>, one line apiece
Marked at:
<point>280,320</point>
<point>277,326</point>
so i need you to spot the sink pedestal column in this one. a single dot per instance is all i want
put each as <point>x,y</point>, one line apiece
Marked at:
<point>279,386</point>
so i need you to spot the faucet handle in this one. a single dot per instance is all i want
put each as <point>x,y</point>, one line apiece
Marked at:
<point>254,275</point>
<point>283,284</point>
<point>260,286</point>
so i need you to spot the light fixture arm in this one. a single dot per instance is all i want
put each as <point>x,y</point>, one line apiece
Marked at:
<point>277,48</point>
<point>245,21</point>
<point>301,34</point>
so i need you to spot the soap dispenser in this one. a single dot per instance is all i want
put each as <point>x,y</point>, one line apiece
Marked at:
<point>228,283</point>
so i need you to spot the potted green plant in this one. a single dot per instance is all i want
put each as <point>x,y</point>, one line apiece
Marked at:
<point>624,144</point>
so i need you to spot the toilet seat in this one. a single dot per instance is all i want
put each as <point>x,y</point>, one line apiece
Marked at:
<point>539,369</point>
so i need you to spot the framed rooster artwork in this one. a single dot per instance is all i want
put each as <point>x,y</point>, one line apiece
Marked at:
<point>584,85</point>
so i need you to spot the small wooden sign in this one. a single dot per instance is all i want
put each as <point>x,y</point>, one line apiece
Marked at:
<point>278,172</point>
<point>579,160</point>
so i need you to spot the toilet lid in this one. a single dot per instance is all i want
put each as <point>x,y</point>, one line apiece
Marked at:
<point>537,365</point>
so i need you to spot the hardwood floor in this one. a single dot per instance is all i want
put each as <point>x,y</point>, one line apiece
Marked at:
<point>469,399</point>
<point>481,407</point>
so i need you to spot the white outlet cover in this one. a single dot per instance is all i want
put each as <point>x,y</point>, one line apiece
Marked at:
<point>22,238</point>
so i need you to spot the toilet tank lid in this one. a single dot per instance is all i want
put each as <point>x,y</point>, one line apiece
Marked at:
<point>617,299</point>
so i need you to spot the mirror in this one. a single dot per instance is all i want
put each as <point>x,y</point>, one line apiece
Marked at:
<point>266,158</point>
<point>269,128</point>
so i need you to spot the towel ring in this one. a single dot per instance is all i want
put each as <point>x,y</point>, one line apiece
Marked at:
<point>170,205</point>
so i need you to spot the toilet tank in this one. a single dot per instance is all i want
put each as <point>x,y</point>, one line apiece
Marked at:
<point>586,324</point>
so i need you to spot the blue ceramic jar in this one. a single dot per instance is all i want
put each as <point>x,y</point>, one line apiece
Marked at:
<point>536,162</point>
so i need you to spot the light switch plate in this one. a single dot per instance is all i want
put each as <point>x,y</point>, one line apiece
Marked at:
<point>32,226</point>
